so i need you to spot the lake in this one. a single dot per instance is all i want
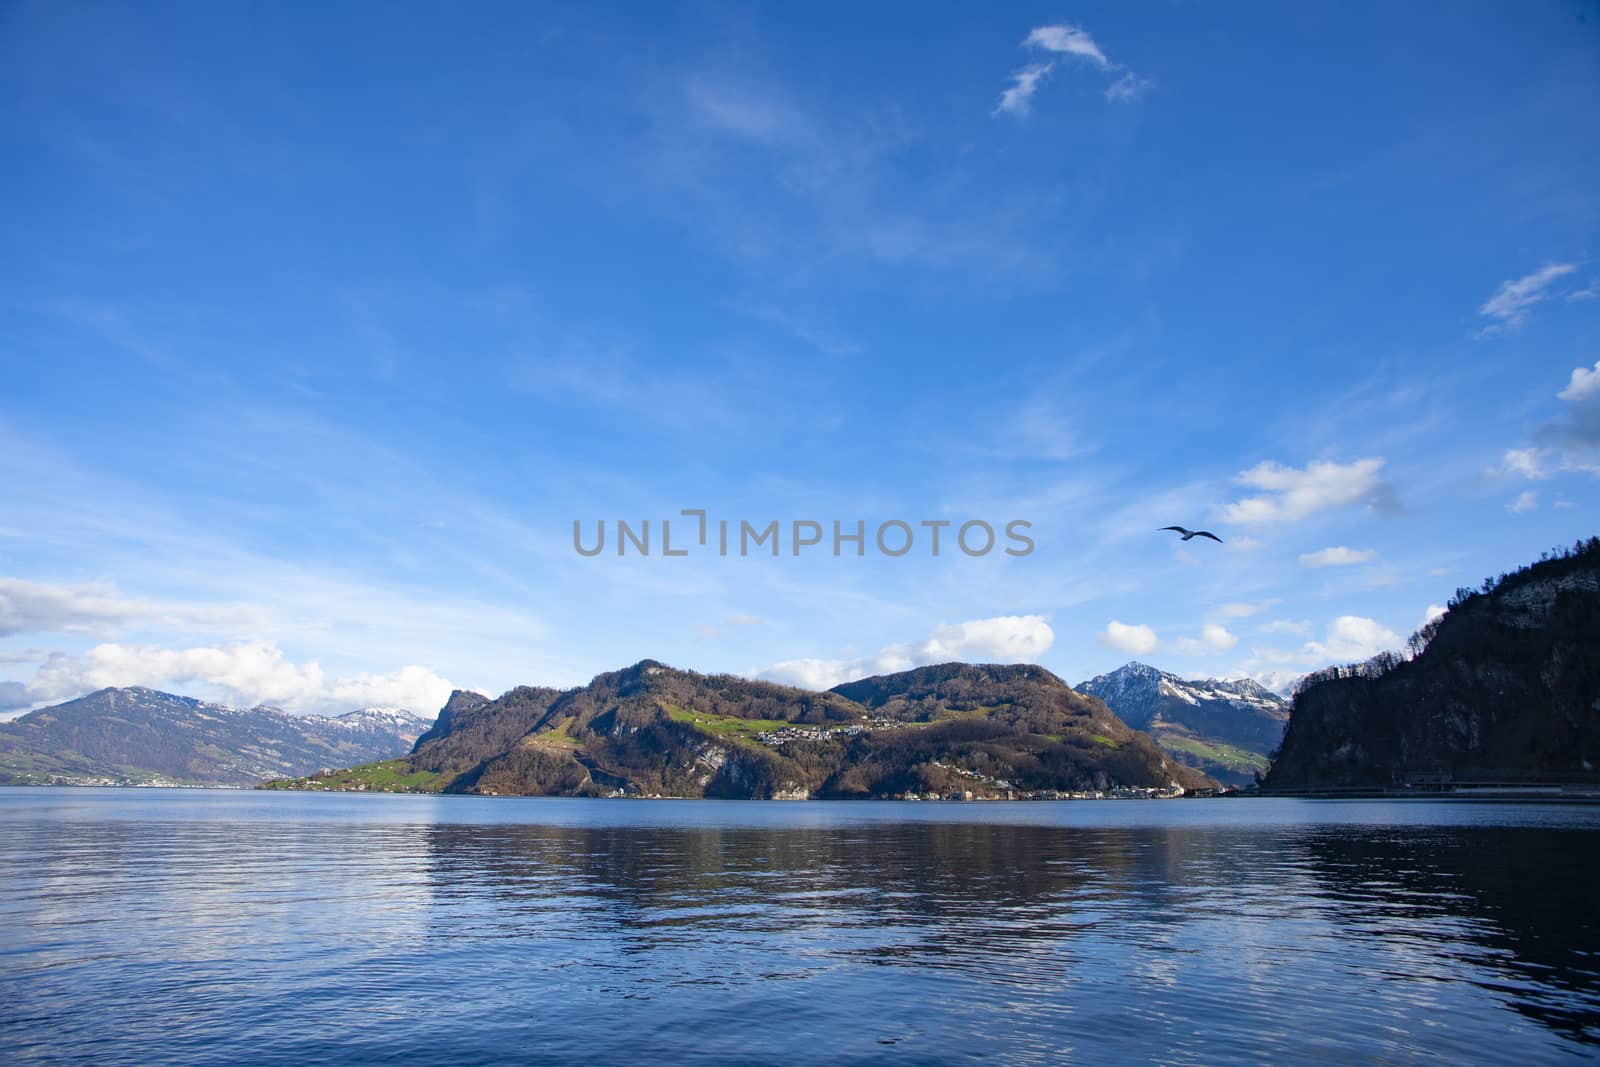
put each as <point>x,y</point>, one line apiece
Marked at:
<point>211,926</point>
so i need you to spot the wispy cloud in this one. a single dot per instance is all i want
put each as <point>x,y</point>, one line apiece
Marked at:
<point>1338,556</point>
<point>1525,502</point>
<point>731,622</point>
<point>1128,87</point>
<point>1242,610</point>
<point>1017,98</point>
<point>824,341</point>
<point>757,116</point>
<point>779,181</point>
<point>1512,303</point>
<point>99,610</point>
<point>1068,40</point>
<point>1065,42</point>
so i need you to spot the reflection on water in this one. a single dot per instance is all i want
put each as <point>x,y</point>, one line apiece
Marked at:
<point>212,927</point>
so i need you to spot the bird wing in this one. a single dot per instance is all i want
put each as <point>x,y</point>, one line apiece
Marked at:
<point>1208,533</point>
<point>1180,529</point>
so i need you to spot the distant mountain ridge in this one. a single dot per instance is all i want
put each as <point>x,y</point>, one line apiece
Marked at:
<point>649,729</point>
<point>1503,688</point>
<point>136,736</point>
<point>1225,728</point>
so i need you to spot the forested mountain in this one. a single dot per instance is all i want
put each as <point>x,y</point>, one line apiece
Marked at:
<point>136,735</point>
<point>1505,687</point>
<point>654,730</point>
<point>1224,728</point>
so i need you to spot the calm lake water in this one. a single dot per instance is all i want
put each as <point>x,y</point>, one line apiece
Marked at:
<point>204,927</point>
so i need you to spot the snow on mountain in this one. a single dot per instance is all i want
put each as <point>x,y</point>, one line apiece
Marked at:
<point>1224,726</point>
<point>139,735</point>
<point>398,719</point>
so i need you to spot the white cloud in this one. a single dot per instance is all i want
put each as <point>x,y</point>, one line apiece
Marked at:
<point>1568,442</point>
<point>242,675</point>
<point>1524,503</point>
<point>1239,610</point>
<point>1214,637</point>
<point>1075,43</point>
<point>1510,304</point>
<point>98,610</point>
<point>1351,638</point>
<point>1589,292</point>
<point>1584,385</point>
<point>1003,639</point>
<point>1289,494</point>
<point>1337,556</point>
<point>1527,462</point>
<point>1137,640</point>
<point>1017,99</point>
<point>1434,611</point>
<point>1068,40</point>
<point>411,687</point>
<point>1006,639</point>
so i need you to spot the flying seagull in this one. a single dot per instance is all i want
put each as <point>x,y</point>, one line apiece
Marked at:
<point>1194,533</point>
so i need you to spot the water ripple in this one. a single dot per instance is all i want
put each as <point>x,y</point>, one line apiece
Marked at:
<point>203,928</point>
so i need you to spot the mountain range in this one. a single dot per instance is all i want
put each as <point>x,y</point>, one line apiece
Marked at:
<point>956,728</point>
<point>138,736</point>
<point>1227,729</point>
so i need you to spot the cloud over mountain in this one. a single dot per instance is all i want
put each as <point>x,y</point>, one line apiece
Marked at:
<point>1002,639</point>
<point>1214,637</point>
<point>242,674</point>
<point>1134,639</point>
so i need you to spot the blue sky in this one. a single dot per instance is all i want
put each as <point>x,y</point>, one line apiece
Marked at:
<point>320,327</point>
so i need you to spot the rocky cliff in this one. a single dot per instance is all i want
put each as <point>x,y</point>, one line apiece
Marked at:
<point>1505,687</point>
